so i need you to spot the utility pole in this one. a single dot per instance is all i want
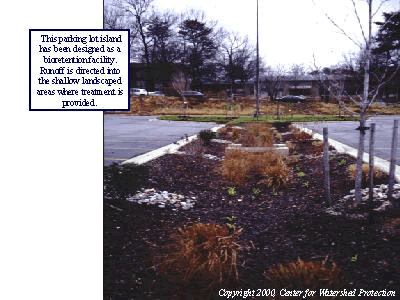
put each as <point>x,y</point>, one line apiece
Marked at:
<point>257,74</point>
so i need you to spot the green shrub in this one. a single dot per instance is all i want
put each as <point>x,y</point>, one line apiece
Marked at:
<point>207,135</point>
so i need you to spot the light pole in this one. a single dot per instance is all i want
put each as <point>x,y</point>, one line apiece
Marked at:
<point>257,74</point>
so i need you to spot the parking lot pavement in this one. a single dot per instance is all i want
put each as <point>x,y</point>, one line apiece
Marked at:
<point>345,133</point>
<point>129,136</point>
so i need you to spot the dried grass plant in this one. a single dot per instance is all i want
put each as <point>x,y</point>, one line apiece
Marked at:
<point>257,135</point>
<point>378,174</point>
<point>202,254</point>
<point>240,167</point>
<point>303,275</point>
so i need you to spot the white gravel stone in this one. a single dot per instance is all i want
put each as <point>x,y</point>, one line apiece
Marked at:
<point>163,199</point>
<point>379,197</point>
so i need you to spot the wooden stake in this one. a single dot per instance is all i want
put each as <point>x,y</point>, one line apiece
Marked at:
<point>326,167</point>
<point>393,163</point>
<point>371,163</point>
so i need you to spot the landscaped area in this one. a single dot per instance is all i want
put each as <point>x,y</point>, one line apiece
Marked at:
<point>215,218</point>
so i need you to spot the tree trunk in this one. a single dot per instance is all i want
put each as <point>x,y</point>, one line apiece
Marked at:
<point>363,108</point>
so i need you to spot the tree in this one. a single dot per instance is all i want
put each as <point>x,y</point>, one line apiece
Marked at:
<point>237,58</point>
<point>199,46</point>
<point>387,40</point>
<point>386,50</point>
<point>273,78</point>
<point>163,37</point>
<point>367,97</point>
<point>114,18</point>
<point>139,10</point>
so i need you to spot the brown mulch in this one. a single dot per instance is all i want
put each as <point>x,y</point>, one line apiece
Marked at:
<point>277,226</point>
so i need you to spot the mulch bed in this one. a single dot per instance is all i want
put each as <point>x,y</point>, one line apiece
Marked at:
<point>278,227</point>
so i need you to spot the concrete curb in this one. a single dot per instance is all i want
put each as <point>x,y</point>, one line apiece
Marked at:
<point>169,149</point>
<point>382,164</point>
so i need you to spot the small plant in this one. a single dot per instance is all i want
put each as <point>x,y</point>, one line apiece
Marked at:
<point>354,258</point>
<point>301,174</point>
<point>342,162</point>
<point>306,184</point>
<point>302,275</point>
<point>204,255</point>
<point>232,191</point>
<point>231,223</point>
<point>207,135</point>
<point>256,191</point>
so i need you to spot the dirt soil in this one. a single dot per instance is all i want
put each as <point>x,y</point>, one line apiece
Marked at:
<point>278,227</point>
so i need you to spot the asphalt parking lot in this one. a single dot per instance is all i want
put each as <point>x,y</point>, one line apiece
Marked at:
<point>129,136</point>
<point>345,133</point>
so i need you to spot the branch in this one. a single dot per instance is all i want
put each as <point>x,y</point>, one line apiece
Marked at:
<point>359,21</point>
<point>340,28</point>
<point>379,8</point>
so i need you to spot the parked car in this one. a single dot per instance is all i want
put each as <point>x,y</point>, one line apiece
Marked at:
<point>157,94</point>
<point>193,94</point>
<point>291,98</point>
<point>138,92</point>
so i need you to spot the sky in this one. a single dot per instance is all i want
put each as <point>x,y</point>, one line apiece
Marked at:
<point>290,31</point>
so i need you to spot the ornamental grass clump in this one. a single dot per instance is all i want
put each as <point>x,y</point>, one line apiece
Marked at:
<point>257,135</point>
<point>303,275</point>
<point>230,133</point>
<point>203,255</point>
<point>241,167</point>
<point>378,174</point>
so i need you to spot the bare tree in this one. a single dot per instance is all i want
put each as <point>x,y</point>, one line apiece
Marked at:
<point>367,97</point>
<point>114,18</point>
<point>237,58</point>
<point>139,10</point>
<point>273,78</point>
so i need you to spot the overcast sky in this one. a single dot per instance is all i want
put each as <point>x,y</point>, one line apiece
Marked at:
<point>290,31</point>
